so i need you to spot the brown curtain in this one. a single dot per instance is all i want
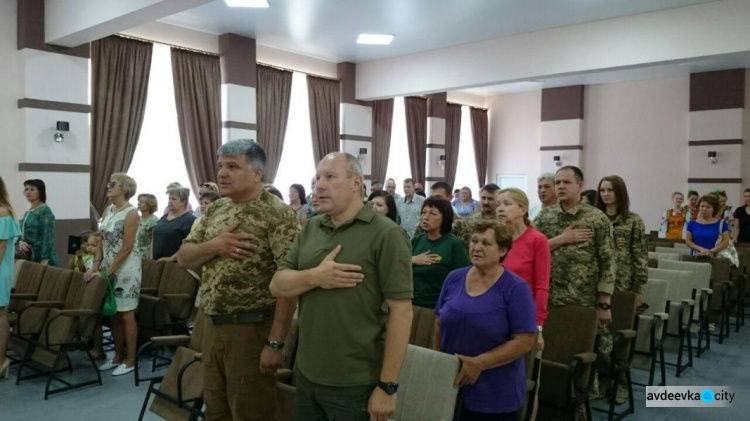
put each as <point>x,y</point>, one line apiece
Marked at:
<point>382,122</point>
<point>272,104</point>
<point>452,139</point>
<point>479,131</point>
<point>324,100</point>
<point>197,91</point>
<point>416,133</point>
<point>119,85</point>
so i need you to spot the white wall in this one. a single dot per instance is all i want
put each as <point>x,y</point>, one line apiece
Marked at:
<point>639,131</point>
<point>515,137</point>
<point>11,141</point>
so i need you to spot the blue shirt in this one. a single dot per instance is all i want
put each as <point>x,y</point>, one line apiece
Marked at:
<point>474,325</point>
<point>706,235</point>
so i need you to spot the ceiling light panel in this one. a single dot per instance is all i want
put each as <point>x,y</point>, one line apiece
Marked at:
<point>374,39</point>
<point>247,3</point>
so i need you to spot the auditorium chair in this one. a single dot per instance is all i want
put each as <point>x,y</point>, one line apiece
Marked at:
<point>422,327</point>
<point>568,362</point>
<point>667,256</point>
<point>68,326</point>
<point>650,328</point>
<point>680,306</point>
<point>680,251</point>
<point>26,287</point>
<point>717,312</point>
<point>151,272</point>
<point>178,394</point>
<point>617,365</point>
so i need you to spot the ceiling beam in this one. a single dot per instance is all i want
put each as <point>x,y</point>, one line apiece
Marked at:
<point>71,23</point>
<point>667,36</point>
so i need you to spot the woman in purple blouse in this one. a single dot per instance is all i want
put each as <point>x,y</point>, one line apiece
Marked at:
<point>486,316</point>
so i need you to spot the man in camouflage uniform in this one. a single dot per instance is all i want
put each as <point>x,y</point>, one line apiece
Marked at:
<point>238,244</point>
<point>463,228</point>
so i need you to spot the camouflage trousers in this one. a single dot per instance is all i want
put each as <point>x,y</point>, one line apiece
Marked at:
<point>603,353</point>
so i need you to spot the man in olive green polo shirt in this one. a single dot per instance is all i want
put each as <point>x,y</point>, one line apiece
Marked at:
<point>344,266</point>
<point>238,244</point>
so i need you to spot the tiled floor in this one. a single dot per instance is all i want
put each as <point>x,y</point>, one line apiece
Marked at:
<point>119,399</point>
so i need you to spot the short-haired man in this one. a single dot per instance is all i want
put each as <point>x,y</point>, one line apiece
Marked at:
<point>581,239</point>
<point>545,190</point>
<point>390,187</point>
<point>410,208</point>
<point>376,186</point>
<point>239,244</point>
<point>343,266</point>
<point>463,228</point>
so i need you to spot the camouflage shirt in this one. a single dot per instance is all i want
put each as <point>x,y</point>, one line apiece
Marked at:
<point>463,228</point>
<point>579,271</point>
<point>231,286</point>
<point>632,257</point>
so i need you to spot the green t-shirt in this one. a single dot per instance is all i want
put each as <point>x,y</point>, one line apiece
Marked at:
<point>428,280</point>
<point>342,331</point>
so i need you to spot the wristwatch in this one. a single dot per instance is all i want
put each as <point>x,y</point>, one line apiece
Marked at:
<point>604,306</point>
<point>275,345</point>
<point>390,388</point>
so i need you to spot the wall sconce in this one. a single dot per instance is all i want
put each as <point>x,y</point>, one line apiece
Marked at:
<point>557,160</point>
<point>62,128</point>
<point>712,157</point>
<point>361,157</point>
<point>441,162</point>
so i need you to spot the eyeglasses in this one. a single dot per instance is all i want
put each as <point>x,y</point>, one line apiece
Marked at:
<point>112,185</point>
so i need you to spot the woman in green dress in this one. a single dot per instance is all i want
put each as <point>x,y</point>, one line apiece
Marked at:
<point>38,226</point>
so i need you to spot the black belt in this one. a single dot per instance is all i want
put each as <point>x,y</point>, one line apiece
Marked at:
<point>258,316</point>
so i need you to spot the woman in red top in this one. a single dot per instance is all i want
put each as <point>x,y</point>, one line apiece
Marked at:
<point>529,257</point>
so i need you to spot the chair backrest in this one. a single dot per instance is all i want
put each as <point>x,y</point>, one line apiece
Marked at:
<point>28,281</point>
<point>75,291</point>
<point>720,267</point>
<point>422,327</point>
<point>151,272</point>
<point>55,284</point>
<point>672,250</point>
<point>681,246</point>
<point>655,294</point>
<point>666,256</point>
<point>176,280</point>
<point>680,283</point>
<point>623,317</point>
<point>568,331</point>
<point>426,389</point>
<point>701,271</point>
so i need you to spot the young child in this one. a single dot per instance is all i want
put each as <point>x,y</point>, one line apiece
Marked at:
<point>83,258</point>
<point>94,242</point>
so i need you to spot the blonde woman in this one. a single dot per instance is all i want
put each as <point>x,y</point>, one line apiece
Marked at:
<point>118,258</point>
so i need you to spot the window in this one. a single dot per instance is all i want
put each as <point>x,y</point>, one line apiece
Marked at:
<point>399,166</point>
<point>158,158</point>
<point>466,172</point>
<point>297,164</point>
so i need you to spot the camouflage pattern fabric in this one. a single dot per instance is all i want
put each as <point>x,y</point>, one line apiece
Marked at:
<point>580,272</point>
<point>463,228</point>
<point>632,257</point>
<point>232,286</point>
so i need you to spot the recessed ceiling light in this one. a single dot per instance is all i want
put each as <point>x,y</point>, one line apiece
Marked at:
<point>374,39</point>
<point>247,3</point>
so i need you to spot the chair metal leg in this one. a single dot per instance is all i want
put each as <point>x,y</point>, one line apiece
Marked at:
<point>663,367</point>
<point>145,401</point>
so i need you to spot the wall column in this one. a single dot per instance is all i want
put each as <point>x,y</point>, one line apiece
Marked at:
<point>55,88</point>
<point>436,114</point>
<point>239,78</point>
<point>717,102</point>
<point>355,132</point>
<point>562,127</point>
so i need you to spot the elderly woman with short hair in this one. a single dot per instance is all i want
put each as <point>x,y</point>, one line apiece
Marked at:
<point>486,316</point>
<point>148,205</point>
<point>118,259</point>
<point>173,227</point>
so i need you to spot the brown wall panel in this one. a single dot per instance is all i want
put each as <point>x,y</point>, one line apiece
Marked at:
<point>564,103</point>
<point>719,90</point>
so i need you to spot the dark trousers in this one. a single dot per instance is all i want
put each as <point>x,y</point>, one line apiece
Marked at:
<point>233,387</point>
<point>469,415</point>
<point>314,402</point>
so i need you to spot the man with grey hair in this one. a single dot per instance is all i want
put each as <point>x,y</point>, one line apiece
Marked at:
<point>390,187</point>
<point>410,208</point>
<point>545,190</point>
<point>343,266</point>
<point>239,244</point>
